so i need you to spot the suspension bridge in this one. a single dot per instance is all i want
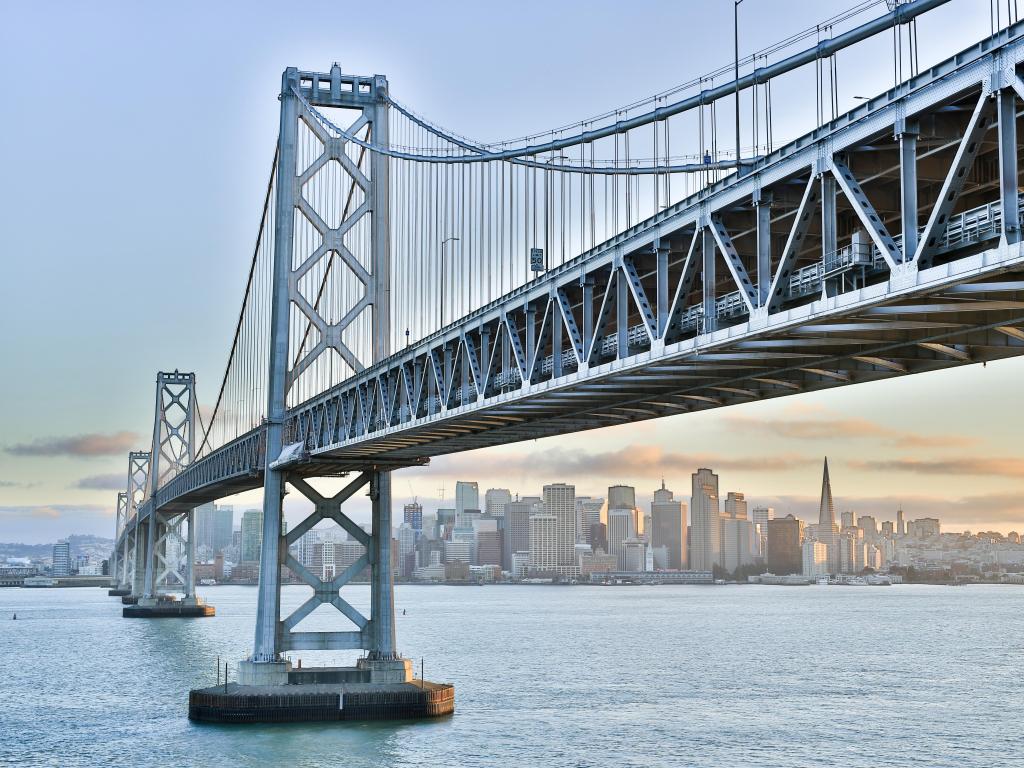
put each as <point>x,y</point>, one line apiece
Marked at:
<point>414,292</point>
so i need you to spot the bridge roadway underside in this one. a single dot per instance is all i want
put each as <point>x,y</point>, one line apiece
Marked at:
<point>939,322</point>
<point>942,322</point>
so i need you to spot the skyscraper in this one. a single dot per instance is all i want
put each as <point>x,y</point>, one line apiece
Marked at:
<point>495,500</point>
<point>517,530</point>
<point>760,517</point>
<point>61,559</point>
<point>560,501</point>
<point>252,534</point>
<point>705,545</point>
<point>467,496</point>
<point>622,518</point>
<point>900,527</point>
<point>737,533</point>
<point>827,531</point>
<point>413,515</point>
<point>543,543</point>
<point>668,530</point>
<point>588,512</point>
<point>783,555</point>
<point>214,525</point>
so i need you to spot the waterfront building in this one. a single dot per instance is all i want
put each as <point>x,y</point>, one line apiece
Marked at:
<point>705,544</point>
<point>252,535</point>
<point>814,559</point>
<point>668,530</point>
<point>61,565</point>
<point>783,554</point>
<point>495,500</point>
<point>634,555</point>
<point>598,562</point>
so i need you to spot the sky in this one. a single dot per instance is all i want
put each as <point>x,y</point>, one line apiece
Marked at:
<point>139,137</point>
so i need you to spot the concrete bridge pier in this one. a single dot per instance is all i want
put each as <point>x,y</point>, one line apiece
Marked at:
<point>380,686</point>
<point>159,602</point>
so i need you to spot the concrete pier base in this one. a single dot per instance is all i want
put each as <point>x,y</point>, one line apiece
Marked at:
<point>277,692</point>
<point>321,702</point>
<point>119,591</point>
<point>163,607</point>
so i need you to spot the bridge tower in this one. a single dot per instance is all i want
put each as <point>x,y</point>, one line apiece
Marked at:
<point>134,564</point>
<point>118,585</point>
<point>363,103</point>
<point>164,546</point>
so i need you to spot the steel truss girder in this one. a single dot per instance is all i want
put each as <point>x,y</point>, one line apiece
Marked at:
<point>337,423</point>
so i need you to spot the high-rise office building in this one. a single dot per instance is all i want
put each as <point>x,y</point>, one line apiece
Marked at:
<point>705,544</point>
<point>736,533</point>
<point>495,500</point>
<point>407,536</point>
<point>783,555</point>
<point>868,524</point>
<point>252,535</point>
<point>887,529</point>
<point>214,525</point>
<point>622,497</point>
<point>847,519</point>
<point>900,527</point>
<point>760,516</point>
<point>827,531</point>
<point>543,543</point>
<point>560,501</point>
<point>413,515</point>
<point>622,518</point>
<point>61,565</point>
<point>621,526</point>
<point>467,497</point>
<point>814,558</point>
<point>588,512</point>
<point>668,530</point>
<point>488,542</point>
<point>517,530</point>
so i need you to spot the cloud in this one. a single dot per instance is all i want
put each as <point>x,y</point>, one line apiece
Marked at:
<point>9,484</point>
<point>111,482</point>
<point>1001,511</point>
<point>844,429</point>
<point>644,461</point>
<point>89,445</point>
<point>978,467</point>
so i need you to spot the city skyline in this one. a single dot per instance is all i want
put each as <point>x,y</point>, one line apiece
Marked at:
<point>60,470</point>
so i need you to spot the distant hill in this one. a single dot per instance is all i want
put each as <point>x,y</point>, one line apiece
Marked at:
<point>94,546</point>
